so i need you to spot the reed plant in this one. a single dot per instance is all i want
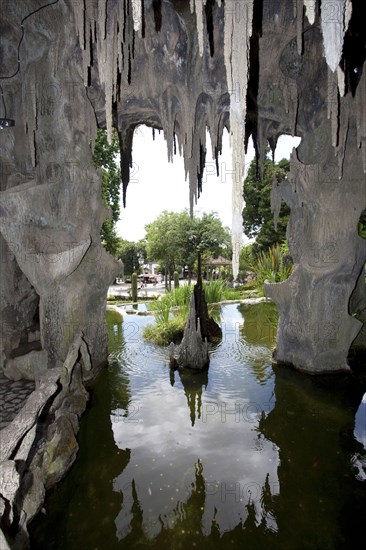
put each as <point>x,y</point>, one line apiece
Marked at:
<point>269,266</point>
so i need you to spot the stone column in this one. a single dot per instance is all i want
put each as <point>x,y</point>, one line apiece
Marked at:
<point>316,327</point>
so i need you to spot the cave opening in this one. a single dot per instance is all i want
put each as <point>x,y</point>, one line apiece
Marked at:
<point>286,68</point>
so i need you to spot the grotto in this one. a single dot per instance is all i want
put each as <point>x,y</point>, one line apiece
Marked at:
<point>255,68</point>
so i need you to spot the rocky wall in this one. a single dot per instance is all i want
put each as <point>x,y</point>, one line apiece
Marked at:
<point>51,209</point>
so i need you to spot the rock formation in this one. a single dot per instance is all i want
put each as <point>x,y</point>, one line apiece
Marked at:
<point>180,67</point>
<point>192,352</point>
<point>261,68</point>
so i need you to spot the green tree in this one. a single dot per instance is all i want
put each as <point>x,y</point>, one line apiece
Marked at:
<point>207,237</point>
<point>164,240</point>
<point>174,239</point>
<point>105,158</point>
<point>257,215</point>
<point>132,254</point>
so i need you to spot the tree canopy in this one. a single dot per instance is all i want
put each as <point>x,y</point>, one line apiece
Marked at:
<point>257,215</point>
<point>132,254</point>
<point>174,239</point>
<point>105,158</point>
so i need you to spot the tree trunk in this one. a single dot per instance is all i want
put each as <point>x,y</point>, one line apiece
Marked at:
<point>209,328</point>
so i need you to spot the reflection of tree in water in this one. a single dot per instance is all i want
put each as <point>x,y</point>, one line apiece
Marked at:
<point>184,525</point>
<point>193,382</point>
<point>118,378</point>
<point>321,501</point>
<point>86,488</point>
<point>258,336</point>
<point>260,324</point>
<point>114,321</point>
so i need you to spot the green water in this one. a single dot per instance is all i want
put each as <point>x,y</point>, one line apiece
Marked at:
<point>243,455</point>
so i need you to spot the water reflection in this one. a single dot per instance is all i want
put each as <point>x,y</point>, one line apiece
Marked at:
<point>217,440</point>
<point>260,325</point>
<point>311,425</point>
<point>114,321</point>
<point>194,383</point>
<point>360,422</point>
<point>234,456</point>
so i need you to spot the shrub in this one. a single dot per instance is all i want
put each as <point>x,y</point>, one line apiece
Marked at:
<point>164,333</point>
<point>214,291</point>
<point>270,266</point>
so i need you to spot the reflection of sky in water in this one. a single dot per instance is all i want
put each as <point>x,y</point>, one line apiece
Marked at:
<point>360,434</point>
<point>360,422</point>
<point>168,458</point>
<point>169,440</point>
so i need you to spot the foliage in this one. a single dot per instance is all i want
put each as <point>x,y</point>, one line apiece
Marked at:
<point>172,310</point>
<point>260,324</point>
<point>163,239</point>
<point>132,255</point>
<point>271,267</point>
<point>114,320</point>
<point>105,158</point>
<point>179,297</point>
<point>246,259</point>
<point>284,248</point>
<point>257,215</point>
<point>208,237</point>
<point>214,291</point>
<point>169,325</point>
<point>361,226</point>
<point>175,238</point>
<point>176,279</point>
<point>163,334</point>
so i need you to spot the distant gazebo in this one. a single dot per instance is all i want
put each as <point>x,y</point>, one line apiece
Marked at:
<point>213,266</point>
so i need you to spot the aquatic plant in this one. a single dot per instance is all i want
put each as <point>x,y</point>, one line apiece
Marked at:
<point>269,266</point>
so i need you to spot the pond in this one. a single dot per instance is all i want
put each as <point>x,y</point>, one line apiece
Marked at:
<point>244,455</point>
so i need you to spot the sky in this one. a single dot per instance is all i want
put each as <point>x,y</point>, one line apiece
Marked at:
<point>156,185</point>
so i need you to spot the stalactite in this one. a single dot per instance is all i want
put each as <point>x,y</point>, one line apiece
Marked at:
<point>157,14</point>
<point>295,108</point>
<point>30,110</point>
<point>79,13</point>
<point>333,29</point>
<point>310,10</point>
<point>102,15</point>
<point>236,53</point>
<point>86,54</point>
<point>333,105</point>
<point>360,100</point>
<point>192,190</point>
<point>110,35</point>
<point>199,4</point>
<point>291,100</point>
<point>341,81</point>
<point>166,107</point>
<point>210,25</point>
<point>343,132</point>
<point>136,14</point>
<point>299,24</point>
<point>347,14</point>
<point>125,139</point>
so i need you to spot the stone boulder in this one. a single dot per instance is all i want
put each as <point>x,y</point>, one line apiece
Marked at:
<point>26,367</point>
